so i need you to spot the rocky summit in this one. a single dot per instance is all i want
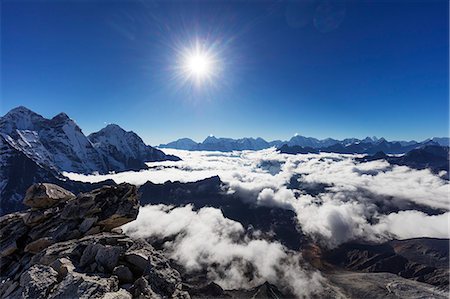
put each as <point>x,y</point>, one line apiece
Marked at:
<point>68,246</point>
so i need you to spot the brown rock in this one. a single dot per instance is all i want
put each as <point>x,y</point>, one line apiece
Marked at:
<point>94,230</point>
<point>38,245</point>
<point>8,249</point>
<point>46,195</point>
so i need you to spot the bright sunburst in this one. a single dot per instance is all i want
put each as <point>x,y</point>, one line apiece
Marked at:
<point>198,64</point>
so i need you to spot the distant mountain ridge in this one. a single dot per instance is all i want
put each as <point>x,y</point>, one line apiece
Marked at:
<point>368,145</point>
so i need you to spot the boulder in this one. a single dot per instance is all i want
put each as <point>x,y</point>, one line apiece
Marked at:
<point>108,257</point>
<point>142,289</point>
<point>46,195</point>
<point>89,254</point>
<point>38,245</point>
<point>138,260</point>
<point>124,274</point>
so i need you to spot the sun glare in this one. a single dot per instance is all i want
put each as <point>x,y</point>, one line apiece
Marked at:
<point>198,64</point>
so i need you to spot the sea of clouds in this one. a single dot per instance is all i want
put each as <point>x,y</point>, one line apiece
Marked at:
<point>336,199</point>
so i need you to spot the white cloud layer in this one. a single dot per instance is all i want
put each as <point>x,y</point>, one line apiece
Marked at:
<point>205,239</point>
<point>372,201</point>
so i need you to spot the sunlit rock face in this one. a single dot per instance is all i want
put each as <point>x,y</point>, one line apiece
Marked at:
<point>65,248</point>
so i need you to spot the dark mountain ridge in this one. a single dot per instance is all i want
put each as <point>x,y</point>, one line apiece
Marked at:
<point>369,145</point>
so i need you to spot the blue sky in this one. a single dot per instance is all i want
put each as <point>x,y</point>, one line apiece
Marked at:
<point>322,69</point>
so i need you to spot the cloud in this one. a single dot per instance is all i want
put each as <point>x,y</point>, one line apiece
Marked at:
<point>205,239</point>
<point>337,198</point>
<point>410,224</point>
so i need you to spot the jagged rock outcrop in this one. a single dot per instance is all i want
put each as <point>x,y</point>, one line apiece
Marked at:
<point>65,247</point>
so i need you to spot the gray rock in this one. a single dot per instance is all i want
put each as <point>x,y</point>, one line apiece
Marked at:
<point>87,224</point>
<point>38,281</point>
<point>108,256</point>
<point>120,294</point>
<point>12,229</point>
<point>89,254</point>
<point>34,217</point>
<point>112,205</point>
<point>138,260</point>
<point>142,289</point>
<point>124,274</point>
<point>79,285</point>
<point>7,288</point>
<point>46,195</point>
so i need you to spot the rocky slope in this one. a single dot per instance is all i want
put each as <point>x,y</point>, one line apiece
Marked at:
<point>424,260</point>
<point>65,247</point>
<point>18,172</point>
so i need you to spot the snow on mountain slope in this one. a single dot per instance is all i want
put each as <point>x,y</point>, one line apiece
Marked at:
<point>35,149</point>
<point>125,150</point>
<point>18,172</point>
<point>59,144</point>
<point>20,118</point>
<point>70,148</point>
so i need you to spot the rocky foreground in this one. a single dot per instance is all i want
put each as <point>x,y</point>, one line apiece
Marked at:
<point>68,246</point>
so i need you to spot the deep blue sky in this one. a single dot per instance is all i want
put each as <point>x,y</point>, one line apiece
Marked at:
<point>337,70</point>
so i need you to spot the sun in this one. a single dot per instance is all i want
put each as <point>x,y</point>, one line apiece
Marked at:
<point>198,64</point>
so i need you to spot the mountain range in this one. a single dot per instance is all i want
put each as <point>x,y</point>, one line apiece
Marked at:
<point>369,145</point>
<point>36,149</point>
<point>67,240</point>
